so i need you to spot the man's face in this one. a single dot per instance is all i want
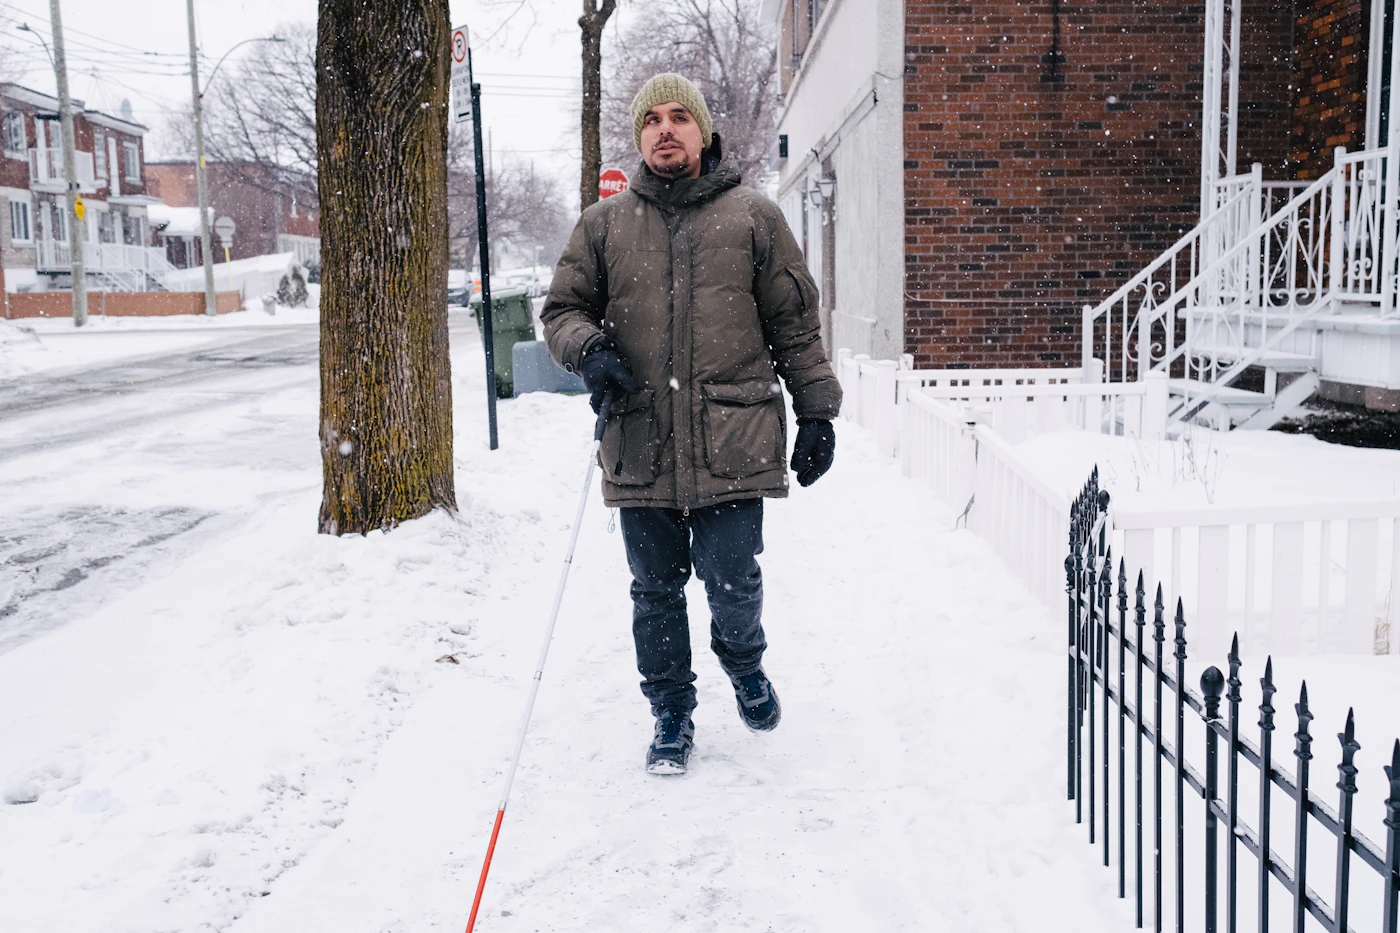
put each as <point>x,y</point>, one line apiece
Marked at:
<point>671,141</point>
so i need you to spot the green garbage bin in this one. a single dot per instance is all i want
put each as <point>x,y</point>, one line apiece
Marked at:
<point>512,322</point>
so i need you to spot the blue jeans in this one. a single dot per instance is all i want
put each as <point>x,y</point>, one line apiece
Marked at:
<point>723,542</point>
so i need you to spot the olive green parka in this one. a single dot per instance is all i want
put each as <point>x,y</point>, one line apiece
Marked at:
<point>703,288</point>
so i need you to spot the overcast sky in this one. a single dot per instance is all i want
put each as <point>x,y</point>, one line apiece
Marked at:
<point>526,56</point>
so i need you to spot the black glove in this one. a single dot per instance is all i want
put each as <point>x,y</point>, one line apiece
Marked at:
<point>814,450</point>
<point>604,369</point>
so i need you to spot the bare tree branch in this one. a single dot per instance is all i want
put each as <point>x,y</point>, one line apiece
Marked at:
<point>721,45</point>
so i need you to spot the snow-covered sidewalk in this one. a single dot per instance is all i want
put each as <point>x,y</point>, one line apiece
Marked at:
<point>258,734</point>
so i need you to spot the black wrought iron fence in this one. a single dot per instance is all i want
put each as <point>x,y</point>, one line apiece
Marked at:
<point>1098,693</point>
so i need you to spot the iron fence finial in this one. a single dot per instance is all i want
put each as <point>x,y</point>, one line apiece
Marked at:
<point>1305,718</point>
<point>1234,679</point>
<point>1347,769</point>
<point>1212,687</point>
<point>1267,690</point>
<point>1180,632</point>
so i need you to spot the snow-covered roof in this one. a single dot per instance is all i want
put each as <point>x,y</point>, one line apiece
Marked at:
<point>175,221</point>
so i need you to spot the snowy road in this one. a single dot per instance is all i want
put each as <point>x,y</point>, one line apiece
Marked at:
<point>70,424</point>
<point>246,726</point>
<point>79,404</point>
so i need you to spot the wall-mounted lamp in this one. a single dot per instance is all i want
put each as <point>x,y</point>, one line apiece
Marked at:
<point>822,189</point>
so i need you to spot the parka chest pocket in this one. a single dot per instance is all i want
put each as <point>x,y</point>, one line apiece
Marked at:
<point>628,454</point>
<point>744,427</point>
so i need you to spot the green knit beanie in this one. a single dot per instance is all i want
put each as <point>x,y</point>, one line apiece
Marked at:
<point>668,87</point>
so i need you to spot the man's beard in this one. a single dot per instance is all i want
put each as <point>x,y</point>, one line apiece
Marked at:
<point>674,169</point>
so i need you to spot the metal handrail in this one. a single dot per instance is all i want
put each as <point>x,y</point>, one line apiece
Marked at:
<point>1142,277</point>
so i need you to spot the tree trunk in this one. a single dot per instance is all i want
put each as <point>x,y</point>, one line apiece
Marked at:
<point>381,140</point>
<point>591,24</point>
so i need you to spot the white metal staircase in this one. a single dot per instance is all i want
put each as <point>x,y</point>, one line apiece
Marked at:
<point>117,267</point>
<point>1254,287</point>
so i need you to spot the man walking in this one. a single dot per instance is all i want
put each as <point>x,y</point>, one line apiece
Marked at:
<point>686,296</point>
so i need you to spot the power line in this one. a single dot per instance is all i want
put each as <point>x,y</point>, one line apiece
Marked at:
<point>104,42</point>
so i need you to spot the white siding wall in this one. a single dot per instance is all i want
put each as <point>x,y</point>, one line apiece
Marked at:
<point>843,104</point>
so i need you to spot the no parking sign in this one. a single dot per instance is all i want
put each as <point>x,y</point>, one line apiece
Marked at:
<point>461,75</point>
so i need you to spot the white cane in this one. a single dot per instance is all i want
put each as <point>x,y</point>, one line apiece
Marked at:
<point>544,653</point>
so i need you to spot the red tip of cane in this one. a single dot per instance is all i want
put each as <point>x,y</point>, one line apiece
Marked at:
<point>485,867</point>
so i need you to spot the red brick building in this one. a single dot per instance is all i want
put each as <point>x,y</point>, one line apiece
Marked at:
<point>1046,153</point>
<point>111,175</point>
<point>271,212</point>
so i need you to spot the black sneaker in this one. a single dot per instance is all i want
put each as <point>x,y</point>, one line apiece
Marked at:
<point>758,702</point>
<point>670,748</point>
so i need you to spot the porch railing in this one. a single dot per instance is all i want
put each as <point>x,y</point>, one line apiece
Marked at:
<point>1269,258</point>
<point>1108,727</point>
<point>115,258</point>
<point>1358,228</point>
<point>1119,330</point>
<point>46,167</point>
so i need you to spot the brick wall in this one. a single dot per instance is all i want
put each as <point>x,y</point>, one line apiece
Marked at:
<point>797,14</point>
<point>259,205</point>
<point>120,304</point>
<point>1331,39</point>
<point>1027,193</point>
<point>1266,78</point>
<point>173,183</point>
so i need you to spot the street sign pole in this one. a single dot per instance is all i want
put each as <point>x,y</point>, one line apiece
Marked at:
<point>462,59</point>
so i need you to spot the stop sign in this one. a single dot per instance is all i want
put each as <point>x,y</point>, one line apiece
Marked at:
<point>611,182</point>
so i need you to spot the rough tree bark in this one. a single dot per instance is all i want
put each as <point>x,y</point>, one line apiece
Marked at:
<point>381,139</point>
<point>591,24</point>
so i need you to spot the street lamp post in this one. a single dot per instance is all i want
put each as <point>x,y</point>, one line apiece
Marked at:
<point>200,171</point>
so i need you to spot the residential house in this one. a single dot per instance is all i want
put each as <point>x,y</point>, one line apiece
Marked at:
<point>273,210</point>
<point>110,172</point>
<point>993,185</point>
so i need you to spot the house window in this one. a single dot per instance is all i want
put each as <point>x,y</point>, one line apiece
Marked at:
<point>12,131</point>
<point>99,153</point>
<point>106,227</point>
<point>133,162</point>
<point>59,227</point>
<point>19,221</point>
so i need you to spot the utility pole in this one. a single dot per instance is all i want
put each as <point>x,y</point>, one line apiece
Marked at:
<point>201,179</point>
<point>70,170</point>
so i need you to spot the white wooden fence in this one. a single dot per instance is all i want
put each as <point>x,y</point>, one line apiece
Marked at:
<point>1025,520</point>
<point>1290,579</point>
<point>1293,578</point>
<point>1017,403</point>
<point>981,478</point>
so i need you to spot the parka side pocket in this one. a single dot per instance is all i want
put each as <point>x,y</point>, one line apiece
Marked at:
<point>806,288</point>
<point>631,444</point>
<point>744,430</point>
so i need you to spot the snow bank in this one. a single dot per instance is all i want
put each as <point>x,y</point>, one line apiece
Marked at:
<point>1241,468</point>
<point>21,350</point>
<point>252,277</point>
